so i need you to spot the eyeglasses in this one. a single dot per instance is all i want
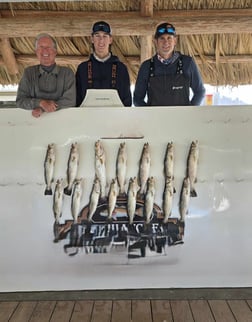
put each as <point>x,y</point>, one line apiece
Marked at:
<point>168,30</point>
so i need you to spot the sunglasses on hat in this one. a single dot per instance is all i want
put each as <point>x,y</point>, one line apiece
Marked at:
<point>167,30</point>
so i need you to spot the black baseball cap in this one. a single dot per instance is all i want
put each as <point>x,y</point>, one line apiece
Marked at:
<point>101,26</point>
<point>165,28</point>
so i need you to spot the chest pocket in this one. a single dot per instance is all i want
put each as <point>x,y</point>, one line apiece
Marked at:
<point>168,90</point>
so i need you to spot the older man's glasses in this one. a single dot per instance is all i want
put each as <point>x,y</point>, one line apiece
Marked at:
<point>168,30</point>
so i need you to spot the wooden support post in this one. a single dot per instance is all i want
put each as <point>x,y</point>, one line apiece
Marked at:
<point>146,41</point>
<point>147,8</point>
<point>146,48</point>
<point>8,56</point>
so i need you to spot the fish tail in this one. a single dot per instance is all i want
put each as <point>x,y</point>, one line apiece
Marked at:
<point>193,193</point>
<point>140,195</point>
<point>103,198</point>
<point>122,191</point>
<point>165,220</point>
<point>48,192</point>
<point>146,227</point>
<point>109,220</point>
<point>56,230</point>
<point>68,191</point>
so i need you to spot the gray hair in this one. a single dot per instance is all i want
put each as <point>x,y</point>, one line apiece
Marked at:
<point>44,35</point>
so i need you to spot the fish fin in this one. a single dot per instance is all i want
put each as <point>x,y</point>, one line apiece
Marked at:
<point>193,193</point>
<point>67,191</point>
<point>48,192</point>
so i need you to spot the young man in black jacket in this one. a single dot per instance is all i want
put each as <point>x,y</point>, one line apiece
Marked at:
<point>103,70</point>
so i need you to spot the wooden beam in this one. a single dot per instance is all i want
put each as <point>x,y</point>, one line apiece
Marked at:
<point>73,24</point>
<point>8,56</point>
<point>108,15</point>
<point>133,60</point>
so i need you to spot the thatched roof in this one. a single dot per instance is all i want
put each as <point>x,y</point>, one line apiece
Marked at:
<point>218,34</point>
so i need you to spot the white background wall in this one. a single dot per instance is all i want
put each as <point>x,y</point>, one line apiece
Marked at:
<point>218,238</point>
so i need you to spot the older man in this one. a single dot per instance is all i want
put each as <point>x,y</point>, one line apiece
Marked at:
<point>46,87</point>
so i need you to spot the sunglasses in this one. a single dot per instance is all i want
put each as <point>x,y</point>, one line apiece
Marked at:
<point>168,30</point>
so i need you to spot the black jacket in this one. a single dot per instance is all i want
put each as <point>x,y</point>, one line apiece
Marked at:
<point>102,79</point>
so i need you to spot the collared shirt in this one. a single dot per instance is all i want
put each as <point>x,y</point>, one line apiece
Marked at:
<point>37,84</point>
<point>170,60</point>
<point>102,60</point>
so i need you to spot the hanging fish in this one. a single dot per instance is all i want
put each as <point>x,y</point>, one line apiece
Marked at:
<point>184,199</point>
<point>144,168</point>
<point>58,198</point>
<point>121,167</point>
<point>132,198</point>
<point>149,199</point>
<point>72,168</point>
<point>100,166</point>
<point>169,162</point>
<point>192,166</point>
<point>112,197</point>
<point>49,166</point>
<point>94,198</point>
<point>167,198</point>
<point>76,199</point>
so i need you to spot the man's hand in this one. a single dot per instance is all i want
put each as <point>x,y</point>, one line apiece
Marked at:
<point>48,106</point>
<point>36,112</point>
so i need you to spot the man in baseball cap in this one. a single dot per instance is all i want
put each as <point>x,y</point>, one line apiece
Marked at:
<point>103,70</point>
<point>165,28</point>
<point>169,76</point>
<point>101,26</point>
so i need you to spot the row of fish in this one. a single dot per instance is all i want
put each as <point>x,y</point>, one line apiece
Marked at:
<point>58,199</point>
<point>60,188</point>
<point>188,185</point>
<point>72,168</point>
<point>142,186</point>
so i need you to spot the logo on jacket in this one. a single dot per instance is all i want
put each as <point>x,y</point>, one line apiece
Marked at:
<point>177,87</point>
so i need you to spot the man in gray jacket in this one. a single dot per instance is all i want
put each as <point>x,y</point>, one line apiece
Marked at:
<point>46,87</point>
